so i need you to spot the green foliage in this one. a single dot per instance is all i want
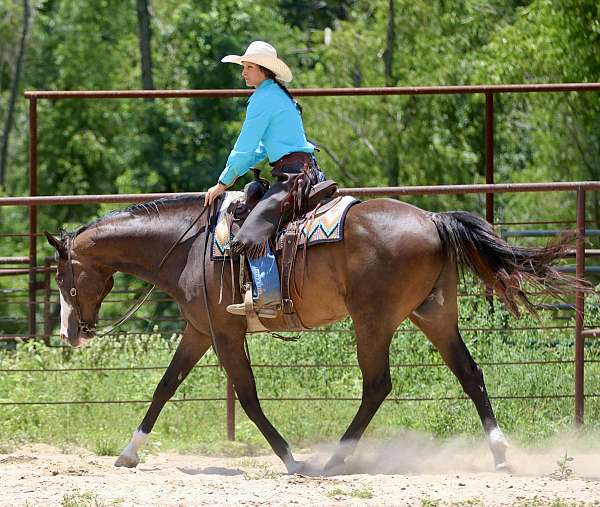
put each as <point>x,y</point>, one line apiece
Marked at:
<point>106,428</point>
<point>130,146</point>
<point>177,145</point>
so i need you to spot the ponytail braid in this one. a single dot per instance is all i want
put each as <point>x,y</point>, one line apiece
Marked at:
<point>271,75</point>
<point>287,92</point>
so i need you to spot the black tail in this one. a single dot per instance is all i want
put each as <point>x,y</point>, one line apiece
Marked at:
<point>474,244</point>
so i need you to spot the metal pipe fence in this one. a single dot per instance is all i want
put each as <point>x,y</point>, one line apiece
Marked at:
<point>33,202</point>
<point>580,332</point>
<point>580,189</point>
<point>487,90</point>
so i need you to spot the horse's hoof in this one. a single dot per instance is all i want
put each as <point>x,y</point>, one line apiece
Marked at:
<point>303,468</point>
<point>334,466</point>
<point>127,461</point>
<point>504,468</point>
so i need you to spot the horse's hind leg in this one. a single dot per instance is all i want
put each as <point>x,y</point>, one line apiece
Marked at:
<point>192,347</point>
<point>437,317</point>
<point>373,345</point>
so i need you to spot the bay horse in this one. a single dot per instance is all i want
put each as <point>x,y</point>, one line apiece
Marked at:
<point>396,261</point>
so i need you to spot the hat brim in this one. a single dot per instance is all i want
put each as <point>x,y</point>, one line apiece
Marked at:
<point>275,65</point>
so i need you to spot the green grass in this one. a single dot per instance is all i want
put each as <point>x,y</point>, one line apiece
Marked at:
<point>200,426</point>
<point>531,502</point>
<point>544,502</point>
<point>354,493</point>
<point>87,499</point>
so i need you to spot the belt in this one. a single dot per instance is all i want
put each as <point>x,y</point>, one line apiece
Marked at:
<point>296,157</point>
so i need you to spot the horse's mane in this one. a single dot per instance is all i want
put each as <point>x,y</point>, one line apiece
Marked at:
<point>136,209</point>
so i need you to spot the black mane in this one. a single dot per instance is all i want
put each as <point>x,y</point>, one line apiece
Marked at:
<point>133,210</point>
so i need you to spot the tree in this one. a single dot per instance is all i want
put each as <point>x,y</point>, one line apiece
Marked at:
<point>14,89</point>
<point>314,14</point>
<point>144,35</point>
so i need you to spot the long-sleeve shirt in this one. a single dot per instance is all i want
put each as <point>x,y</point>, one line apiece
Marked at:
<point>273,127</point>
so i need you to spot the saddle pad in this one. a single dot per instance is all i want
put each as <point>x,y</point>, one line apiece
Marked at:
<point>222,235</point>
<point>326,227</point>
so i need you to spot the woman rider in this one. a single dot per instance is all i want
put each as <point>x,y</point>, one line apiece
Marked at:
<point>272,128</point>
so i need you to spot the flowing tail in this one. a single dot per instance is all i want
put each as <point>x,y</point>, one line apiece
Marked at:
<point>473,243</point>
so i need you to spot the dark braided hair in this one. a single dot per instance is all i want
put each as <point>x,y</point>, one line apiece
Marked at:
<point>271,75</point>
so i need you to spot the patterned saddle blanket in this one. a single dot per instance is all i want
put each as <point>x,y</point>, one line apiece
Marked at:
<point>314,228</point>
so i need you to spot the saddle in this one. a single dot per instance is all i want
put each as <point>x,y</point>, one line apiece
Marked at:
<point>321,197</point>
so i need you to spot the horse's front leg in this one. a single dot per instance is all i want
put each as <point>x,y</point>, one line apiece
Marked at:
<point>192,347</point>
<point>235,361</point>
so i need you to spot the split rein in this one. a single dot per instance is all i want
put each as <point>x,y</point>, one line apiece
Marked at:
<point>91,329</point>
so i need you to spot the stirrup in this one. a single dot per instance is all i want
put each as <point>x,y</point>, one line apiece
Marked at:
<point>264,312</point>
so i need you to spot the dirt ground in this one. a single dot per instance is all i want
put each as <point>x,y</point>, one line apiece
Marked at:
<point>408,470</point>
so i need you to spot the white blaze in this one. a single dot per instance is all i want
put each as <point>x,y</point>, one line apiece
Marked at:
<point>65,311</point>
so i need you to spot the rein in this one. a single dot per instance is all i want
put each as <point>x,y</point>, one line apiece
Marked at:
<point>87,328</point>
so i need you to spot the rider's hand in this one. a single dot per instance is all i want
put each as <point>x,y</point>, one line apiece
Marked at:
<point>213,192</point>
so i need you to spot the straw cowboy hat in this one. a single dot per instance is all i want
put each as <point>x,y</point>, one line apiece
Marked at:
<point>262,54</point>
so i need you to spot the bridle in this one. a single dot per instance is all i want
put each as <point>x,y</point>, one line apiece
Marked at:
<point>83,325</point>
<point>90,329</point>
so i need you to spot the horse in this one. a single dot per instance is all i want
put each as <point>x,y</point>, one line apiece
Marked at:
<point>395,261</point>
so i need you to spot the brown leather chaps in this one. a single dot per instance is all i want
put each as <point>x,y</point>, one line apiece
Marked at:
<point>287,197</point>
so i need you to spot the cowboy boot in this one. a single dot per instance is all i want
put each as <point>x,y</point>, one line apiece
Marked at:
<point>266,292</point>
<point>265,312</point>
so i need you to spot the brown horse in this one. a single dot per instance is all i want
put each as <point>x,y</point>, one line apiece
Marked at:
<point>396,261</point>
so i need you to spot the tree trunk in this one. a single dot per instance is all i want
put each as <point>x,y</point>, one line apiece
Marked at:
<point>391,159</point>
<point>14,90</point>
<point>144,34</point>
<point>392,163</point>
<point>388,54</point>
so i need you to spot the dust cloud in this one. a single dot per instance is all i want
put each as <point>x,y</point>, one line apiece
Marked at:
<point>411,453</point>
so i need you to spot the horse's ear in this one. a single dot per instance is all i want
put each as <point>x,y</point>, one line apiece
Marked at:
<point>56,243</point>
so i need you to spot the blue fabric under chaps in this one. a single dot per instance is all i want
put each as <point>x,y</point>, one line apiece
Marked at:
<point>266,289</point>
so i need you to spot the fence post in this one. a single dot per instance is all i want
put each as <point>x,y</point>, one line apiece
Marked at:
<point>32,215</point>
<point>489,155</point>
<point>489,174</point>
<point>230,410</point>
<point>47,287</point>
<point>579,309</point>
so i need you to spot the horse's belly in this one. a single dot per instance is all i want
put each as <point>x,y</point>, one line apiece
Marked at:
<point>319,295</point>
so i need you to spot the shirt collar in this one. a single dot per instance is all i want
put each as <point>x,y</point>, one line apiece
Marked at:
<point>265,83</point>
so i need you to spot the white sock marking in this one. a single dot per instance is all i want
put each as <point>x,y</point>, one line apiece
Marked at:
<point>138,439</point>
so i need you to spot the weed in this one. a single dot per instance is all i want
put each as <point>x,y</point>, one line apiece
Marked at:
<point>537,501</point>
<point>563,471</point>
<point>106,447</point>
<point>429,502</point>
<point>470,502</point>
<point>257,470</point>
<point>85,499</point>
<point>355,493</point>
<point>361,493</point>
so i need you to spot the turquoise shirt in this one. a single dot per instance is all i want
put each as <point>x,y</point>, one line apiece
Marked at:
<point>272,127</point>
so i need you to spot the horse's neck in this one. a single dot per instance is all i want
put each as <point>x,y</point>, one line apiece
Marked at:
<point>133,244</point>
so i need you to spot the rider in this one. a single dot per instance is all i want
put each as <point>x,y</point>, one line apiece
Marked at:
<point>272,128</point>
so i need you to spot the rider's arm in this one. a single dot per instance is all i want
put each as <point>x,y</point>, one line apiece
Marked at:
<point>248,149</point>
